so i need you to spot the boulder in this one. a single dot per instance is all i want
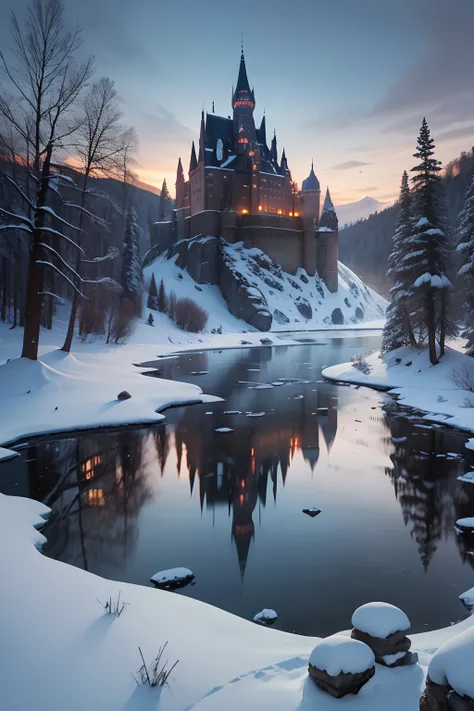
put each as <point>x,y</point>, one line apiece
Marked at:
<point>438,697</point>
<point>340,665</point>
<point>280,317</point>
<point>266,617</point>
<point>337,317</point>
<point>313,511</point>
<point>304,307</point>
<point>203,260</point>
<point>383,628</point>
<point>124,395</point>
<point>243,300</point>
<point>172,578</point>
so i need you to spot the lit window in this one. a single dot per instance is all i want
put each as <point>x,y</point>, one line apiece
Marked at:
<point>291,214</point>
<point>260,208</point>
<point>279,212</point>
<point>245,212</point>
<point>297,214</point>
<point>95,497</point>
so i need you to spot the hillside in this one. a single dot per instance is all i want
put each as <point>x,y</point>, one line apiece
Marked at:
<point>365,246</point>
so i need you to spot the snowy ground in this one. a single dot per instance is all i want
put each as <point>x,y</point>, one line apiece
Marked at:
<point>60,650</point>
<point>409,375</point>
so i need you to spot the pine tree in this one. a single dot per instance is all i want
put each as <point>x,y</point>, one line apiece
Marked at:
<point>466,250</point>
<point>132,273</point>
<point>429,254</point>
<point>162,298</point>
<point>165,201</point>
<point>398,330</point>
<point>152,302</point>
<point>328,218</point>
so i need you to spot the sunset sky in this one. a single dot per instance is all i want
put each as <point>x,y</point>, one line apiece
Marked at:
<point>345,82</point>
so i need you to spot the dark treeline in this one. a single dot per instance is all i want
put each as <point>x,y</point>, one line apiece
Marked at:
<point>366,245</point>
<point>63,228</point>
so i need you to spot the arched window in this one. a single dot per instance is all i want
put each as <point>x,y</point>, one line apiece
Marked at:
<point>219,149</point>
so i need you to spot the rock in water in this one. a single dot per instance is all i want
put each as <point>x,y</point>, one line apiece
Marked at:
<point>383,628</point>
<point>172,578</point>
<point>340,665</point>
<point>313,511</point>
<point>266,617</point>
<point>124,395</point>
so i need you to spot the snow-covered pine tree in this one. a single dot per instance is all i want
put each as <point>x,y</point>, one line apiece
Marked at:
<point>165,200</point>
<point>132,272</point>
<point>152,302</point>
<point>162,298</point>
<point>466,250</point>
<point>429,254</point>
<point>398,330</point>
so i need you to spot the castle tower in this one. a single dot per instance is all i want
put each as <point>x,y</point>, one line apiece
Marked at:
<point>309,201</point>
<point>327,245</point>
<point>243,105</point>
<point>180,201</point>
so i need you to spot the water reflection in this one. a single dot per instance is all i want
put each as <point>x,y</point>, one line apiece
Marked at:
<point>229,506</point>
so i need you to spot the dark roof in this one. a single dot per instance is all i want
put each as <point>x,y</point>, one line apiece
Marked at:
<point>193,162</point>
<point>242,81</point>
<point>311,182</point>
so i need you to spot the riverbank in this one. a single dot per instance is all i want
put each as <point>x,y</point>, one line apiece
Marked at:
<point>59,649</point>
<point>439,391</point>
<point>63,392</point>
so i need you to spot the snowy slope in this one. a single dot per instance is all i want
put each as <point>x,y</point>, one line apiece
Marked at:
<point>281,291</point>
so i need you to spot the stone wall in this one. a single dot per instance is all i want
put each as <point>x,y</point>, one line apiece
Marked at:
<point>327,258</point>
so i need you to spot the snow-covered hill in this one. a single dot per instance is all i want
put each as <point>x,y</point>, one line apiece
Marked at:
<point>295,302</point>
<point>360,210</point>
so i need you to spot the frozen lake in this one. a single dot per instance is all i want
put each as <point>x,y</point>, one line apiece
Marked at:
<point>220,489</point>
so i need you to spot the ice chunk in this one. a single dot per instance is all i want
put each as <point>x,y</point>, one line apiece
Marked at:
<point>338,654</point>
<point>380,619</point>
<point>254,414</point>
<point>222,430</point>
<point>313,511</point>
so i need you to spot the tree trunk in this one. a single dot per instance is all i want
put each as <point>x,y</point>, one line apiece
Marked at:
<point>431,323</point>
<point>409,328</point>
<point>75,299</point>
<point>35,279</point>
<point>3,311</point>
<point>442,332</point>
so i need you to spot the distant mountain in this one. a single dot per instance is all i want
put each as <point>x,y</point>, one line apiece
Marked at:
<point>365,245</point>
<point>353,211</point>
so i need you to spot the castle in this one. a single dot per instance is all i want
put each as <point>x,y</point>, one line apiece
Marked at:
<point>240,190</point>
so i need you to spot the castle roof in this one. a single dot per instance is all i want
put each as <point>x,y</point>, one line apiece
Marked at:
<point>242,81</point>
<point>311,182</point>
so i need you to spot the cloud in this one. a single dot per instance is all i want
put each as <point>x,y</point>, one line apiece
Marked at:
<point>461,132</point>
<point>160,119</point>
<point>349,164</point>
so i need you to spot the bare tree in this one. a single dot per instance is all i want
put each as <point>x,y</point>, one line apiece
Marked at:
<point>100,144</point>
<point>46,83</point>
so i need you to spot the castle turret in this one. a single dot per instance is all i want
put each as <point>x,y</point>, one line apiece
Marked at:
<point>193,161</point>
<point>309,200</point>
<point>273,149</point>
<point>243,104</point>
<point>327,245</point>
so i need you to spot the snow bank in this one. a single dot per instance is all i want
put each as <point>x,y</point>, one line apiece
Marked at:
<point>61,392</point>
<point>7,454</point>
<point>380,619</point>
<point>468,598</point>
<point>409,375</point>
<point>453,664</point>
<point>338,654</point>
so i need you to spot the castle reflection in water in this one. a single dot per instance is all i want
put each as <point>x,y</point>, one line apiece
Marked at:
<point>97,486</point>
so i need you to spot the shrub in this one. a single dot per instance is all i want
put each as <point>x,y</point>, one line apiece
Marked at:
<point>113,607</point>
<point>359,362</point>
<point>121,322</point>
<point>190,316</point>
<point>157,673</point>
<point>463,378</point>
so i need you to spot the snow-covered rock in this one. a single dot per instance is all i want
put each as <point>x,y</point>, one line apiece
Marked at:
<point>223,430</point>
<point>313,511</point>
<point>380,619</point>
<point>267,616</point>
<point>453,664</point>
<point>467,523</point>
<point>339,654</point>
<point>174,577</point>
<point>468,598</point>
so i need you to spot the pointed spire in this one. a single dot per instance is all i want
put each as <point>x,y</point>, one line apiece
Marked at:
<point>242,81</point>
<point>193,162</point>
<point>328,215</point>
<point>284,163</point>
<point>202,138</point>
<point>213,108</point>
<point>180,173</point>
<point>273,149</point>
<point>262,132</point>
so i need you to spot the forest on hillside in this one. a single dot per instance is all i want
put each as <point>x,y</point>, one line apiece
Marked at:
<point>365,246</point>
